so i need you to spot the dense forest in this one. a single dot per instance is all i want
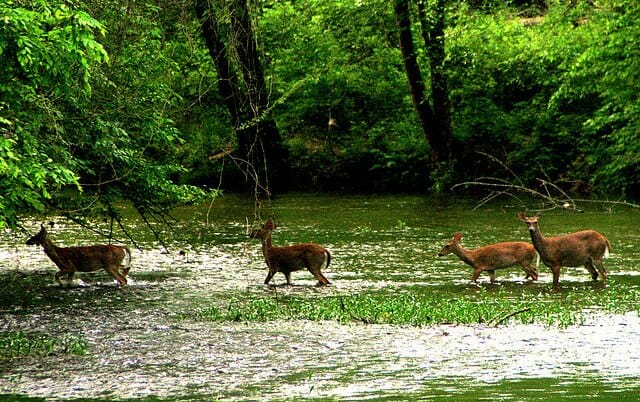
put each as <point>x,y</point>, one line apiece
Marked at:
<point>161,103</point>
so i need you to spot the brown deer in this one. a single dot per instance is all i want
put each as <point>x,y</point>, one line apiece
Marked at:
<point>585,248</point>
<point>287,259</point>
<point>85,258</point>
<point>494,256</point>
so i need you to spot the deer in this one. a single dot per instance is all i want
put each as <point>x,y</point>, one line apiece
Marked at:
<point>494,256</point>
<point>287,259</point>
<point>116,260</point>
<point>584,248</point>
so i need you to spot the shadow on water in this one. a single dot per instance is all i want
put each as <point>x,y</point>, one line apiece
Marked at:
<point>138,349</point>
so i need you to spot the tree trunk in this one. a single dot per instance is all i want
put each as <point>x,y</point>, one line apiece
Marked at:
<point>260,147</point>
<point>433,35</point>
<point>436,123</point>
<point>227,83</point>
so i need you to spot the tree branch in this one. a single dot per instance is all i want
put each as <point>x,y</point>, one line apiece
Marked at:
<point>549,192</point>
<point>495,321</point>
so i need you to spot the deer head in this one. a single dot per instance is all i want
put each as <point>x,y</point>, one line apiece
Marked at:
<point>264,231</point>
<point>531,221</point>
<point>451,245</point>
<point>39,238</point>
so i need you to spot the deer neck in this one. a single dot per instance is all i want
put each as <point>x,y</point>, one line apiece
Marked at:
<point>463,254</point>
<point>51,250</point>
<point>267,246</point>
<point>540,243</point>
<point>48,245</point>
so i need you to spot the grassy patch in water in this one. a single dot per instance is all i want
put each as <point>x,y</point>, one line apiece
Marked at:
<point>20,344</point>
<point>418,308</point>
<point>402,309</point>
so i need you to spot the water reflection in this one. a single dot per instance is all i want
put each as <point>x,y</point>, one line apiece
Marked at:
<point>137,348</point>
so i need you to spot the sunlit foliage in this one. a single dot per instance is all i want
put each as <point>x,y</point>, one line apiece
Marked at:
<point>105,100</point>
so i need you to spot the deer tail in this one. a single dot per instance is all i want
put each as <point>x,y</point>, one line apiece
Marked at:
<point>127,258</point>
<point>537,259</point>
<point>328,257</point>
<point>607,248</point>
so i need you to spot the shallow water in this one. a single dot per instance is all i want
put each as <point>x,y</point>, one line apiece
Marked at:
<point>139,348</point>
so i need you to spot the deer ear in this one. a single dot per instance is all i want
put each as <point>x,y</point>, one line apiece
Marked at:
<point>457,236</point>
<point>522,216</point>
<point>269,224</point>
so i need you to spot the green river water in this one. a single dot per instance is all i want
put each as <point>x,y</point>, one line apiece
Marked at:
<point>139,347</point>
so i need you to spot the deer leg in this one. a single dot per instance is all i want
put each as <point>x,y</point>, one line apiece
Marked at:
<point>124,270</point>
<point>65,271</point>
<point>492,275</point>
<point>113,271</point>
<point>58,275</point>
<point>321,278</point>
<point>589,266</point>
<point>555,270</point>
<point>598,263</point>
<point>530,271</point>
<point>476,274</point>
<point>603,271</point>
<point>269,276</point>
<point>287,274</point>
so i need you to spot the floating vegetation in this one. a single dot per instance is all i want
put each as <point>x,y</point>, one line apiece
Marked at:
<point>422,308</point>
<point>21,344</point>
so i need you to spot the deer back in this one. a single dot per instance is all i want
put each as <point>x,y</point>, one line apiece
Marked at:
<point>505,252</point>
<point>502,255</point>
<point>91,258</point>
<point>298,256</point>
<point>574,249</point>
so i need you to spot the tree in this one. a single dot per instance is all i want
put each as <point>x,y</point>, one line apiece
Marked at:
<point>44,48</point>
<point>228,31</point>
<point>71,116</point>
<point>606,75</point>
<point>434,118</point>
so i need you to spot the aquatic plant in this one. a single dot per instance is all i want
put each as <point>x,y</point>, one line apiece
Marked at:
<point>420,308</point>
<point>20,344</point>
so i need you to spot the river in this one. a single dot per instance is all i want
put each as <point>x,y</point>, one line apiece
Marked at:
<point>138,348</point>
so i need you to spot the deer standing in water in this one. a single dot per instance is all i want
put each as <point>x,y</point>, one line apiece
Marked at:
<point>287,259</point>
<point>494,256</point>
<point>585,248</point>
<point>85,258</point>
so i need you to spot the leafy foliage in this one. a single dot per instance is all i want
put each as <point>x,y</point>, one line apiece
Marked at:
<point>71,118</point>
<point>530,92</point>
<point>521,83</point>
<point>44,48</point>
<point>88,118</point>
<point>606,75</point>
<point>340,61</point>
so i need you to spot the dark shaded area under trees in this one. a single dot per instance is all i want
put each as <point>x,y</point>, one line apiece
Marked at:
<point>434,119</point>
<point>156,102</point>
<point>228,32</point>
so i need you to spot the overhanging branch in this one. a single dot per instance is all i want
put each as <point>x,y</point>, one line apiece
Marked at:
<point>549,192</point>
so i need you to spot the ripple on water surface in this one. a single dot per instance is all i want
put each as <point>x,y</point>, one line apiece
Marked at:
<point>138,348</point>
